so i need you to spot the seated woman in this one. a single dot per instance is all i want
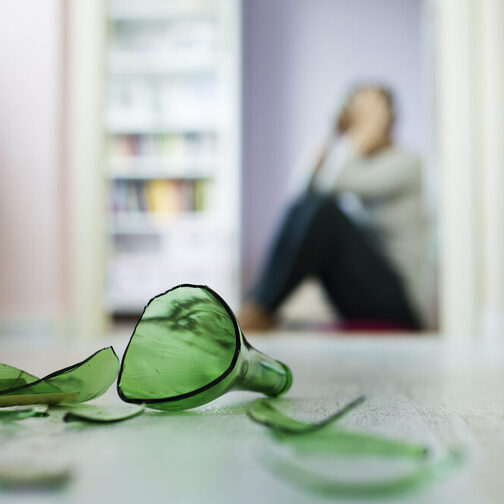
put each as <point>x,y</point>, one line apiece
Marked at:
<point>358,226</point>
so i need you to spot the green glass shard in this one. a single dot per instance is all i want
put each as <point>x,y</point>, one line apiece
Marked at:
<point>28,399</point>
<point>314,438</point>
<point>188,349</point>
<point>78,383</point>
<point>8,415</point>
<point>309,439</point>
<point>33,478</point>
<point>95,413</point>
<point>426,472</point>
<point>11,377</point>
<point>263,411</point>
<point>338,442</point>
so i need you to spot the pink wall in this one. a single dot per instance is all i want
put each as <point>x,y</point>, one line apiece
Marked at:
<point>30,108</point>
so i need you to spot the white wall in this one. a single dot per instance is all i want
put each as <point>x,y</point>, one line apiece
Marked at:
<point>470,95</point>
<point>30,211</point>
<point>299,58</point>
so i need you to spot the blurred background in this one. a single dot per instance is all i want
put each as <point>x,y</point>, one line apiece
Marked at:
<point>146,144</point>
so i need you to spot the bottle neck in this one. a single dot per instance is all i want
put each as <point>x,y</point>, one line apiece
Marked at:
<point>260,373</point>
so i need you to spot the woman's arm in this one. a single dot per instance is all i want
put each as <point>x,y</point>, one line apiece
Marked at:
<point>382,175</point>
<point>313,185</point>
<point>336,156</point>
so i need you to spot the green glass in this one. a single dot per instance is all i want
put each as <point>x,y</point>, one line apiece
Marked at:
<point>264,412</point>
<point>11,377</point>
<point>33,477</point>
<point>333,487</point>
<point>309,439</point>
<point>318,438</point>
<point>9,414</point>
<point>342,442</point>
<point>101,413</point>
<point>78,383</point>
<point>187,349</point>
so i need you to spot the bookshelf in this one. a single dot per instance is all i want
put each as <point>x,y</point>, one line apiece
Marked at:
<point>172,148</point>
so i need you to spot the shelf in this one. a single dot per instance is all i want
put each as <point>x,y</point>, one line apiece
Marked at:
<point>156,127</point>
<point>149,223</point>
<point>171,123</point>
<point>127,63</point>
<point>159,175</point>
<point>148,168</point>
<point>155,11</point>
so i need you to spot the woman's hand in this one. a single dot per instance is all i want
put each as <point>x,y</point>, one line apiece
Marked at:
<point>367,116</point>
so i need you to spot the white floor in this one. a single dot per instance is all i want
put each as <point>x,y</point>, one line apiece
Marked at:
<point>419,389</point>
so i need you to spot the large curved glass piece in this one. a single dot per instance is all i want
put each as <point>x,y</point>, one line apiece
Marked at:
<point>188,349</point>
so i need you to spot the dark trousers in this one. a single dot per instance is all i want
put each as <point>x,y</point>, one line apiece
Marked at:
<point>316,238</point>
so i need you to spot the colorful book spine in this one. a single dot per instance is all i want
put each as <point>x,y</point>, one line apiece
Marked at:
<point>158,196</point>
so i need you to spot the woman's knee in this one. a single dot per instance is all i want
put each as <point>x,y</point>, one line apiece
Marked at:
<point>312,202</point>
<point>311,212</point>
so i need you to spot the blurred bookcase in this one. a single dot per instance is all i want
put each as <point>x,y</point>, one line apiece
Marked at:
<point>172,161</point>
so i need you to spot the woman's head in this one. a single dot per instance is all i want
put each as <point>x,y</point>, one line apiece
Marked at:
<point>368,103</point>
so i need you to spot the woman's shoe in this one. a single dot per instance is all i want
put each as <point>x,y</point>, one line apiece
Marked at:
<point>253,317</point>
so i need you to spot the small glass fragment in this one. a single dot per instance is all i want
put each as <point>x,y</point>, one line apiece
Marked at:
<point>26,477</point>
<point>95,413</point>
<point>263,411</point>
<point>78,383</point>
<point>8,415</point>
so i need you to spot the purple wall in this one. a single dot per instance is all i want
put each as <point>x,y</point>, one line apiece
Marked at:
<point>299,57</point>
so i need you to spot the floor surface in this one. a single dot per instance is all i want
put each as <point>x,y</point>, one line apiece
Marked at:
<point>419,389</point>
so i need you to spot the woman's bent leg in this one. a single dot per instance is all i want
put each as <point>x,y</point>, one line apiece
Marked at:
<point>317,238</point>
<point>297,251</point>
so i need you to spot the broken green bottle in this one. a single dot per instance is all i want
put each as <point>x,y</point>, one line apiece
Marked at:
<point>187,349</point>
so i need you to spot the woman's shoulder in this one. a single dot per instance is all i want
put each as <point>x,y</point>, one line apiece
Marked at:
<point>408,158</point>
<point>402,164</point>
